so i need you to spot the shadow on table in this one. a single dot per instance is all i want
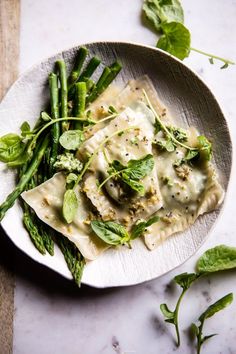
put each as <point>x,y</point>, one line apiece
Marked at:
<point>42,277</point>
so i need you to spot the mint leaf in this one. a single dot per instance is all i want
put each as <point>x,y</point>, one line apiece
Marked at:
<point>110,232</point>
<point>175,40</point>
<point>158,11</point>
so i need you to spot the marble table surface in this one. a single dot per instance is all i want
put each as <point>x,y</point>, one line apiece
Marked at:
<point>51,315</point>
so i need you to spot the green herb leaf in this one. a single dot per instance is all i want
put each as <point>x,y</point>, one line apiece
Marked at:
<point>185,279</point>
<point>70,205</point>
<point>45,116</point>
<point>71,139</point>
<point>133,172</point>
<point>168,314</point>
<point>110,232</point>
<point>70,180</point>
<point>139,228</point>
<point>158,11</point>
<point>210,311</point>
<point>217,259</point>
<point>25,129</point>
<point>205,148</point>
<point>11,147</point>
<point>167,145</point>
<point>138,169</point>
<point>133,184</point>
<point>112,110</point>
<point>175,40</point>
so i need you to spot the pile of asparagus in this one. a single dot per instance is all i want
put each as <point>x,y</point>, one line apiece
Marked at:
<point>69,97</point>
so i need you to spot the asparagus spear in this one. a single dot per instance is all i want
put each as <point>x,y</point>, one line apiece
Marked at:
<point>82,53</point>
<point>89,70</point>
<point>63,92</point>
<point>86,74</point>
<point>79,102</point>
<point>33,231</point>
<point>73,257</point>
<point>44,231</point>
<point>55,131</point>
<point>108,75</point>
<point>26,176</point>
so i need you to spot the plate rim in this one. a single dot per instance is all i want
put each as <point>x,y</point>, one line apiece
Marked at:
<point>210,91</point>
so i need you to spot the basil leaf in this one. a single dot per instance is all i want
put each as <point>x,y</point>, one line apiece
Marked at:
<point>71,139</point>
<point>158,11</point>
<point>139,228</point>
<point>185,279</point>
<point>138,169</point>
<point>20,161</point>
<point>133,172</point>
<point>176,39</point>
<point>217,259</point>
<point>133,184</point>
<point>205,148</point>
<point>70,205</point>
<point>11,147</point>
<point>216,307</point>
<point>110,232</point>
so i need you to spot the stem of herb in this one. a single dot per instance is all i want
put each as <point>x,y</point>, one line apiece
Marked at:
<point>109,177</point>
<point>176,321</point>
<point>211,56</point>
<point>163,127</point>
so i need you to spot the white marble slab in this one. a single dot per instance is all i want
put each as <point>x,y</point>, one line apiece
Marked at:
<point>51,315</point>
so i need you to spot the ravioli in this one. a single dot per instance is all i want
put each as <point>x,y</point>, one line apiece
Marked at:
<point>178,194</point>
<point>47,200</point>
<point>132,144</point>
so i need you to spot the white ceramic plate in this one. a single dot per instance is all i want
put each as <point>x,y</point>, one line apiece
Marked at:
<point>188,99</point>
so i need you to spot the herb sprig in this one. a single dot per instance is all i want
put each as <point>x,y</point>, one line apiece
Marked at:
<point>209,312</point>
<point>115,234</point>
<point>214,260</point>
<point>167,19</point>
<point>132,173</point>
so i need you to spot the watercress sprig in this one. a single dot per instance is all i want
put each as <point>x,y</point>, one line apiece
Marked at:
<point>209,312</point>
<point>214,260</point>
<point>167,19</point>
